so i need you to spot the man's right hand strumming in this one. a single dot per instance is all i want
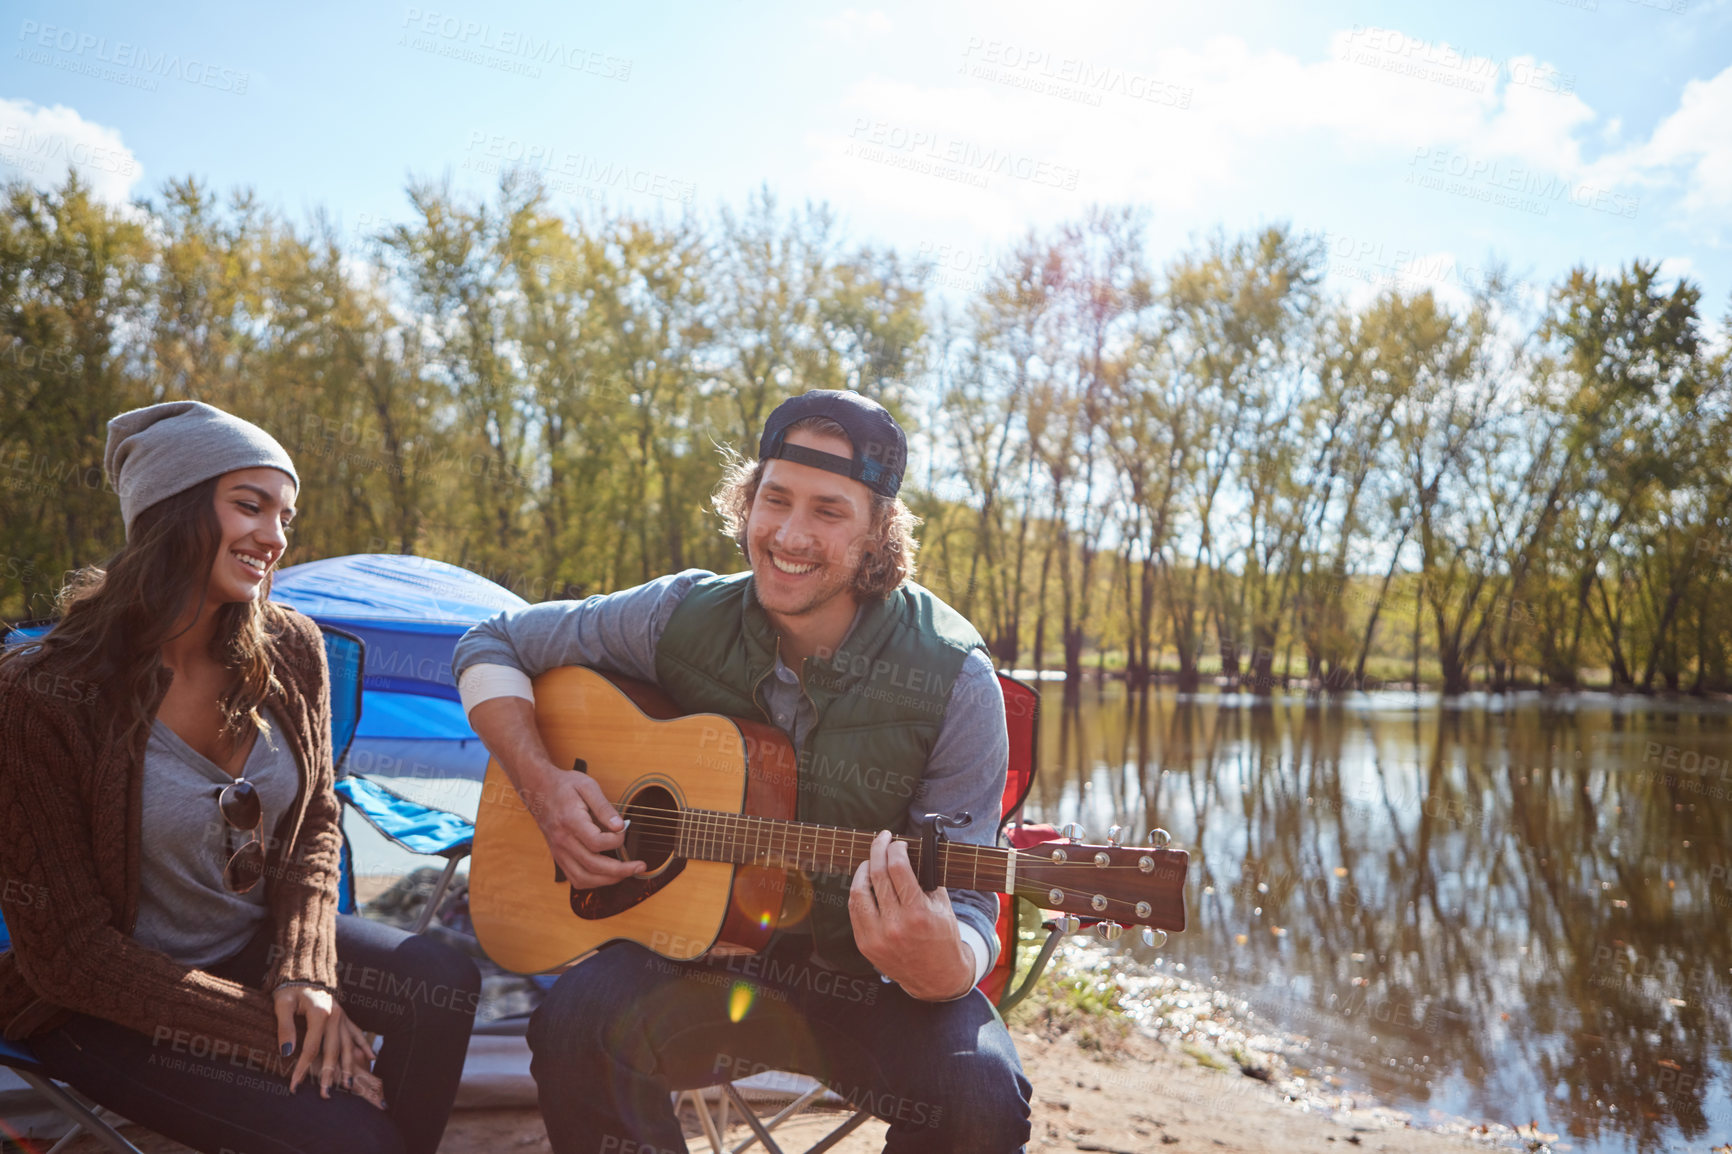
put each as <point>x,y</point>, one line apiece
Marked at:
<point>581,826</point>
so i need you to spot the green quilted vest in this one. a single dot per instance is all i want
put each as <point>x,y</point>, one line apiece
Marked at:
<point>879,702</point>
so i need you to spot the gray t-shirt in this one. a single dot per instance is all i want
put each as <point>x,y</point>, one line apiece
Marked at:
<point>620,632</point>
<point>184,909</point>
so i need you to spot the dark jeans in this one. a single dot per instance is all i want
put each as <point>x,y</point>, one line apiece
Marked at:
<point>419,995</point>
<point>624,1028</point>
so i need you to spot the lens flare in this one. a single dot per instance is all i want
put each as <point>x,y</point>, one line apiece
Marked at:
<point>739,1001</point>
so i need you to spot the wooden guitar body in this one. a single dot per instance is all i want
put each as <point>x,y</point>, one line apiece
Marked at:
<point>632,740</point>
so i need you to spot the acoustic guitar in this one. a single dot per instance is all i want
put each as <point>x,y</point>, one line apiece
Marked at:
<point>710,802</point>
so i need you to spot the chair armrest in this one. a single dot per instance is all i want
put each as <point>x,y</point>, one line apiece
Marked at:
<point>417,828</point>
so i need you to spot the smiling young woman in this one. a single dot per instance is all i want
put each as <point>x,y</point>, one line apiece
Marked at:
<point>181,960</point>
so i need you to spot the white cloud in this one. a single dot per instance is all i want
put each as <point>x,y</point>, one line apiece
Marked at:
<point>43,144</point>
<point>1540,127</point>
<point>1691,147</point>
<point>1678,267</point>
<point>1199,132</point>
<point>852,24</point>
<point>1192,123</point>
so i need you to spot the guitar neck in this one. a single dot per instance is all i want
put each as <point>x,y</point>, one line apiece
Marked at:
<point>1141,886</point>
<point>741,839</point>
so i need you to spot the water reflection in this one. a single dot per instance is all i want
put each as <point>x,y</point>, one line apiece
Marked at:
<point>1510,909</point>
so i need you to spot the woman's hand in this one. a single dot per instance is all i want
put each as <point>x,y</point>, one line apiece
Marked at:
<point>355,1057</point>
<point>332,1040</point>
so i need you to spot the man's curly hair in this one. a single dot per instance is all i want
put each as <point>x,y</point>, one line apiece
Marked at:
<point>888,559</point>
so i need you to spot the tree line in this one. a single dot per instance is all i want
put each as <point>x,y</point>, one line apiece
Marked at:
<point>1207,468</point>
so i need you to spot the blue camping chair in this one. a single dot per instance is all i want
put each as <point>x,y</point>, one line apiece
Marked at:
<point>411,826</point>
<point>414,827</point>
<point>409,612</point>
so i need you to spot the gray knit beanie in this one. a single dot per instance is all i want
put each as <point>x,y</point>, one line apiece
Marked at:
<point>160,450</point>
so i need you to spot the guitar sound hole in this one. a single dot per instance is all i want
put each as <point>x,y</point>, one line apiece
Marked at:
<point>651,837</point>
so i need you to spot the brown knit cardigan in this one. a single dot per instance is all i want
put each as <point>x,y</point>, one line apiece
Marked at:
<point>70,809</point>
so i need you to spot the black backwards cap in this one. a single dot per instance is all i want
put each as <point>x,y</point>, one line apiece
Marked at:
<point>880,449</point>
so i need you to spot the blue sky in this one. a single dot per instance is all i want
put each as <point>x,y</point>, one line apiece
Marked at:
<point>1423,141</point>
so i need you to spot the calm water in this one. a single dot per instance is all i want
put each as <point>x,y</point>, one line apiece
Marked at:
<point>1509,909</point>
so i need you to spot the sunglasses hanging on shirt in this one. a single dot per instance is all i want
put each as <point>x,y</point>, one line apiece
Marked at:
<point>239,803</point>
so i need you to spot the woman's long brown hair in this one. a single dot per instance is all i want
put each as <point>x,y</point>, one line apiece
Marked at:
<point>115,617</point>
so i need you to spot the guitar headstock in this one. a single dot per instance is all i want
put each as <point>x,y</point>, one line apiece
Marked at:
<point>1117,884</point>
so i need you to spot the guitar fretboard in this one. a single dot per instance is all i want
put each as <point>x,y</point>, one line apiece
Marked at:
<point>740,839</point>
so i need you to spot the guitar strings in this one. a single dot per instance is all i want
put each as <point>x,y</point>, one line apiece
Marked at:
<point>751,824</point>
<point>735,827</point>
<point>695,827</point>
<point>714,826</point>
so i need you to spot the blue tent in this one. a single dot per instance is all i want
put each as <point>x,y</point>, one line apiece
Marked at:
<point>410,611</point>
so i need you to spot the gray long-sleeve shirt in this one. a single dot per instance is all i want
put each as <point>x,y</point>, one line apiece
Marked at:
<point>619,632</point>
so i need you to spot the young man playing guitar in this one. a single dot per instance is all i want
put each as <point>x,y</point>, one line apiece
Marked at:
<point>892,703</point>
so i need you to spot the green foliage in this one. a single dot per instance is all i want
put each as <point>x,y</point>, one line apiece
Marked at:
<point>1207,470</point>
<point>1082,1006</point>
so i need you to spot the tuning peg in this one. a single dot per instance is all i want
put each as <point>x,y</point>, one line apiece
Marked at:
<point>1069,923</point>
<point>1116,835</point>
<point>1154,938</point>
<point>1073,832</point>
<point>1109,931</point>
<point>1158,838</point>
